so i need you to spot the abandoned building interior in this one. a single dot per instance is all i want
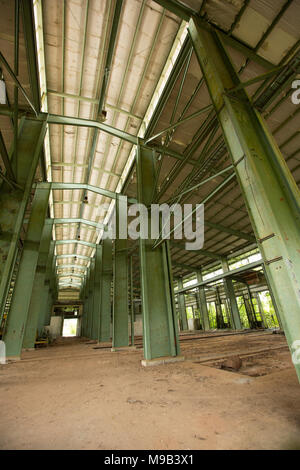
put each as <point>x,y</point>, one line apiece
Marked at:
<point>122,343</point>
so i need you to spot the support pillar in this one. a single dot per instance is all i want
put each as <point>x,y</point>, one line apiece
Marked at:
<point>37,299</point>
<point>14,199</point>
<point>45,293</point>
<point>233,306</point>
<point>17,317</point>
<point>86,304</point>
<point>120,336</point>
<point>219,313</point>
<point>131,302</point>
<point>105,307</point>
<point>52,293</point>
<point>269,189</point>
<point>261,311</point>
<point>182,307</point>
<point>202,304</point>
<point>158,304</point>
<point>249,312</point>
<point>97,293</point>
<point>91,300</point>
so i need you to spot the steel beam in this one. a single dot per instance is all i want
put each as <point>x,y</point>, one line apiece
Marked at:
<point>86,304</point>
<point>120,335</point>
<point>83,186</point>
<point>74,121</point>
<point>17,83</point>
<point>97,293</point>
<point>236,233</point>
<point>131,301</point>
<point>209,254</point>
<point>261,311</point>
<point>158,305</point>
<point>5,159</point>
<point>13,201</point>
<point>270,192</point>
<point>67,266</point>
<point>89,324</point>
<point>69,275</point>
<point>178,123</point>
<point>30,45</point>
<point>93,101</point>
<point>202,304</point>
<point>78,221</point>
<point>182,307</point>
<point>219,277</point>
<point>229,290</point>
<point>37,299</point>
<point>45,293</point>
<point>17,317</point>
<point>106,278</point>
<point>71,242</point>
<point>187,13</point>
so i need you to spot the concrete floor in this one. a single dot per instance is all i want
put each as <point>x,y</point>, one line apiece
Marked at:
<point>72,396</point>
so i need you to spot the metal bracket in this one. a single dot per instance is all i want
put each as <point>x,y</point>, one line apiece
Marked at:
<point>261,240</point>
<point>273,260</point>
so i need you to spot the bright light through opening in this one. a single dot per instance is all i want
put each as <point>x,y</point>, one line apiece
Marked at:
<point>70,327</point>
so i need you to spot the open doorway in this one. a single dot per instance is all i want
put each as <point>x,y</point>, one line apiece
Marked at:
<point>70,327</point>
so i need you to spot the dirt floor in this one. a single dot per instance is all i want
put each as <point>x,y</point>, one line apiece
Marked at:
<point>73,396</point>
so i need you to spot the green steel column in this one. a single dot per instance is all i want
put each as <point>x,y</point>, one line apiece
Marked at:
<point>37,300</point>
<point>158,305</point>
<point>229,290</point>
<point>261,311</point>
<point>270,191</point>
<point>105,309</point>
<point>120,336</point>
<point>83,293</point>
<point>131,301</point>
<point>53,293</point>
<point>249,312</point>
<point>273,299</point>
<point>97,292</point>
<point>219,315</point>
<point>202,304</point>
<point>17,317</point>
<point>46,289</point>
<point>182,307</point>
<point>86,304</point>
<point>13,201</point>
<point>91,300</point>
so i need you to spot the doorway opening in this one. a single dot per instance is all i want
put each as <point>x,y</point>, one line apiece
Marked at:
<point>70,327</point>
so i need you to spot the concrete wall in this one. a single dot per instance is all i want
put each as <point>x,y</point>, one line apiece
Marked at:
<point>55,328</point>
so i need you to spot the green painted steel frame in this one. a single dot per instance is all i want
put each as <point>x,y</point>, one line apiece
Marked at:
<point>37,299</point>
<point>202,304</point>
<point>106,279</point>
<point>14,201</point>
<point>120,336</point>
<point>18,314</point>
<point>182,307</point>
<point>97,292</point>
<point>229,289</point>
<point>158,304</point>
<point>264,178</point>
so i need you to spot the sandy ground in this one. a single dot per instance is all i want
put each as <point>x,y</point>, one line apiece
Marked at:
<point>71,396</point>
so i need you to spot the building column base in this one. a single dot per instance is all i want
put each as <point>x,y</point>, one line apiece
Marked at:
<point>12,359</point>
<point>161,361</point>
